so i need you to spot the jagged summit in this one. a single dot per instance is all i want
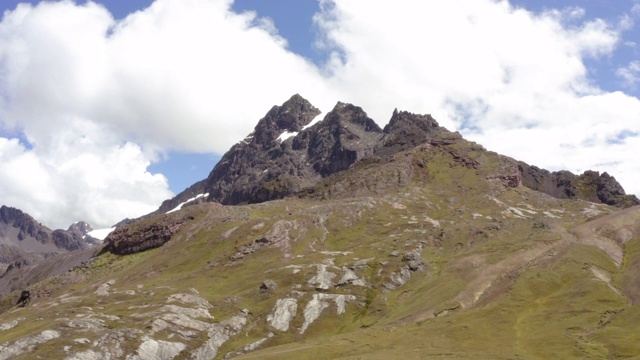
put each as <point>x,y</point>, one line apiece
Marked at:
<point>292,116</point>
<point>283,156</point>
<point>264,166</point>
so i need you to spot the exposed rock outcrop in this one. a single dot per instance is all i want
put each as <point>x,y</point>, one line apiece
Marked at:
<point>405,131</point>
<point>268,286</point>
<point>319,302</point>
<point>151,349</point>
<point>81,230</point>
<point>590,185</point>
<point>240,174</point>
<point>283,312</point>
<point>144,235</point>
<point>26,345</point>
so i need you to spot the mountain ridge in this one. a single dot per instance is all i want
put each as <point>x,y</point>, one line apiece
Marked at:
<point>25,243</point>
<point>262,167</point>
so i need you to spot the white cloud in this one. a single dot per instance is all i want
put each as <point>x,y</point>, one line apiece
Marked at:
<point>630,74</point>
<point>101,184</point>
<point>98,104</point>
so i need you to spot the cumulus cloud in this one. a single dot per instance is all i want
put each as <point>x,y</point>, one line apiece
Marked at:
<point>98,99</point>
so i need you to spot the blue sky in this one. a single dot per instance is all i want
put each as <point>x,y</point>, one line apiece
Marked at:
<point>143,98</point>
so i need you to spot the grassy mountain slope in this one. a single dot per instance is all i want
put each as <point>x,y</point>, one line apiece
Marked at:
<point>433,253</point>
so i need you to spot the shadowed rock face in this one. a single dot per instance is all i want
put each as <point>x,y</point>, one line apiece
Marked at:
<point>406,130</point>
<point>589,186</point>
<point>26,225</point>
<point>143,236</point>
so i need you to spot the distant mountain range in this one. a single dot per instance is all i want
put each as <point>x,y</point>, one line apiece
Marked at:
<point>328,237</point>
<point>24,242</point>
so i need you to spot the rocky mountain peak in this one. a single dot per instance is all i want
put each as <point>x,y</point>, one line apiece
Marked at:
<point>81,228</point>
<point>291,116</point>
<point>406,130</point>
<point>345,114</point>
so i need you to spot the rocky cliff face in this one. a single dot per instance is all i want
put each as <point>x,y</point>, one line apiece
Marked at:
<point>26,225</point>
<point>590,186</point>
<point>144,235</point>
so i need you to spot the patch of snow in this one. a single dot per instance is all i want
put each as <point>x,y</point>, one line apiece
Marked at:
<point>315,120</point>
<point>100,234</point>
<point>182,204</point>
<point>285,135</point>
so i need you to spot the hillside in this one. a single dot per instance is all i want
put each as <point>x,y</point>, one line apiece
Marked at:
<point>402,242</point>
